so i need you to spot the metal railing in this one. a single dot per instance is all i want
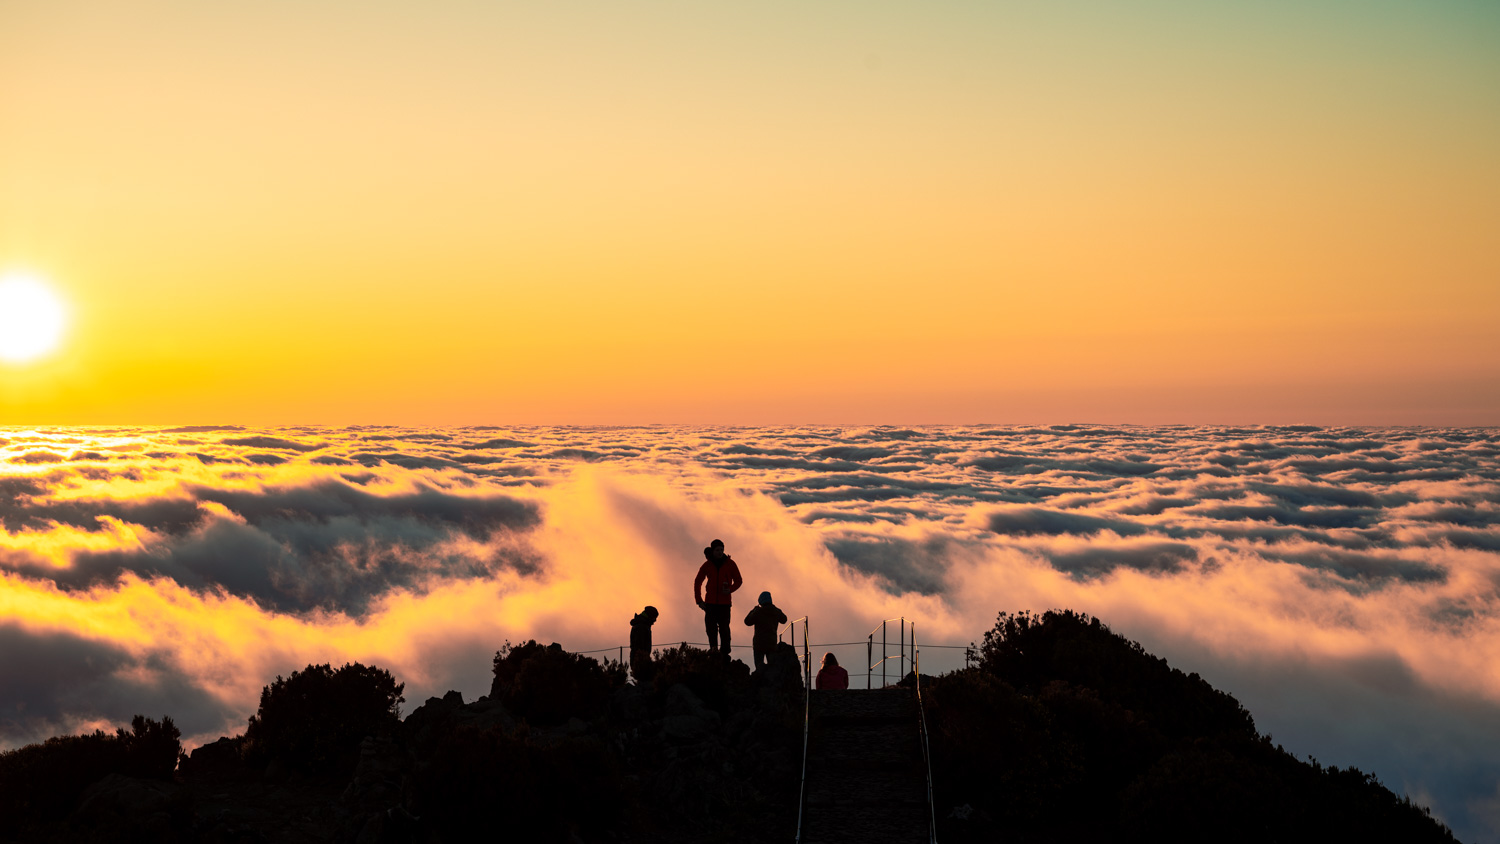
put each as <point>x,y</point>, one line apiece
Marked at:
<point>791,627</point>
<point>806,713</point>
<point>926,750</point>
<point>885,653</point>
<point>905,654</point>
<point>970,653</point>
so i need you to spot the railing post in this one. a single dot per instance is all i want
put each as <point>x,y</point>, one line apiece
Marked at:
<point>806,719</point>
<point>884,651</point>
<point>870,661</point>
<point>903,643</point>
<point>807,658</point>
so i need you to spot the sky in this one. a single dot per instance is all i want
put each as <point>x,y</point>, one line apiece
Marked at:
<point>1243,240</point>
<point>456,213</point>
<point>1342,583</point>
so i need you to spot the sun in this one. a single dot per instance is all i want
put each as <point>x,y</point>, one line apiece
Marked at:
<point>32,318</point>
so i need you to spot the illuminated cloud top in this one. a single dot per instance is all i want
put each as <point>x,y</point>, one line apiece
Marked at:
<point>1344,583</point>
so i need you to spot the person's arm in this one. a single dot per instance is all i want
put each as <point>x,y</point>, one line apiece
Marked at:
<point>698,584</point>
<point>781,615</point>
<point>750,616</point>
<point>734,577</point>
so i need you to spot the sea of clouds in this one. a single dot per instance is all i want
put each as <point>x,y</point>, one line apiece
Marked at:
<point>1343,583</point>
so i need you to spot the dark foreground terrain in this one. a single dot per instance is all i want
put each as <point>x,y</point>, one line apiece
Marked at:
<point>1064,732</point>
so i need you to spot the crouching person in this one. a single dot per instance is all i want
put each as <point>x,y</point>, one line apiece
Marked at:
<point>640,644</point>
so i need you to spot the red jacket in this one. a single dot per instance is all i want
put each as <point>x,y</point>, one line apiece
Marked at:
<point>833,677</point>
<point>722,580</point>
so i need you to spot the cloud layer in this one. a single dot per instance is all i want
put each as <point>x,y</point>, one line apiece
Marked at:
<point>1343,583</point>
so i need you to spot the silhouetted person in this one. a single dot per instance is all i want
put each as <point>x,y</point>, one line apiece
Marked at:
<point>640,644</point>
<point>764,618</point>
<point>831,676</point>
<point>722,577</point>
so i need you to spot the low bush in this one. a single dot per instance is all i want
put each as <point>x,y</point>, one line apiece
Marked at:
<point>506,785</point>
<point>720,683</point>
<point>43,781</point>
<point>1029,652</point>
<point>1067,731</point>
<point>314,719</point>
<point>547,685</point>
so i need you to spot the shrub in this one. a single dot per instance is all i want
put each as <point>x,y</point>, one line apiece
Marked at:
<point>546,685</point>
<point>1069,732</point>
<point>720,683</point>
<point>1030,652</point>
<point>315,719</point>
<point>998,752</point>
<point>42,781</point>
<point>505,785</point>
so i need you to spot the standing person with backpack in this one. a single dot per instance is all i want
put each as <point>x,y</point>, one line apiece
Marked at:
<point>721,577</point>
<point>765,618</point>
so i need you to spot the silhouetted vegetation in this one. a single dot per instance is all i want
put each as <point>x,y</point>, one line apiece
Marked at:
<point>510,783</point>
<point>717,681</point>
<point>314,719</point>
<point>1031,652</point>
<point>43,781</point>
<point>701,752</point>
<point>1067,731</point>
<point>546,685</point>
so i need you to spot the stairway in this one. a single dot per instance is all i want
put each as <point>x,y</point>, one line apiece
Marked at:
<point>866,781</point>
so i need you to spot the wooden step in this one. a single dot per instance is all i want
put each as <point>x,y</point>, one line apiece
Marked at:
<point>883,747</point>
<point>865,787</point>
<point>893,822</point>
<point>905,733</point>
<point>877,703</point>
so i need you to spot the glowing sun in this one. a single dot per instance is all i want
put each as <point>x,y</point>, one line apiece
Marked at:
<point>31,318</point>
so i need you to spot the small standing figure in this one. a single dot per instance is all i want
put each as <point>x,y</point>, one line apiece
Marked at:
<point>640,644</point>
<point>722,577</point>
<point>831,676</point>
<point>765,618</point>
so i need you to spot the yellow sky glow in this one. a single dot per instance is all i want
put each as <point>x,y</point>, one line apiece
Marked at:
<point>281,213</point>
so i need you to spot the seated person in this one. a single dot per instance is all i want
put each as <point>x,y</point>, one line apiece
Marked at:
<point>831,676</point>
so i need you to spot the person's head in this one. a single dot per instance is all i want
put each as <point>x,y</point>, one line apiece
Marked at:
<point>650,613</point>
<point>717,547</point>
<point>830,661</point>
<point>765,599</point>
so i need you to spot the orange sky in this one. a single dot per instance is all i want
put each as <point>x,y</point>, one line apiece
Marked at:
<point>460,213</point>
